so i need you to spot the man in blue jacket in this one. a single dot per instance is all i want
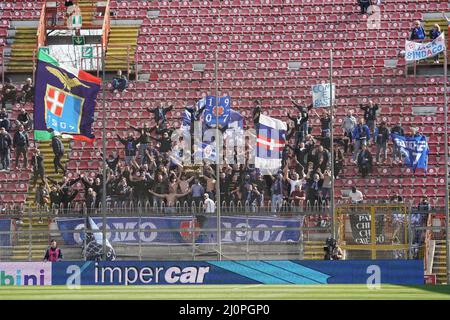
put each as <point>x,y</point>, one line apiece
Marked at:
<point>361,136</point>
<point>418,32</point>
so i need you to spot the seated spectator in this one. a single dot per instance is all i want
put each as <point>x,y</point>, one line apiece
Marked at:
<point>356,196</point>
<point>26,94</point>
<point>418,32</point>
<point>119,82</point>
<point>23,118</point>
<point>21,144</point>
<point>4,121</point>
<point>9,93</point>
<point>365,161</point>
<point>435,32</point>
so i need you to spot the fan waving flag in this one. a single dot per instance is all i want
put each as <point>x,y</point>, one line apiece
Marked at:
<point>93,248</point>
<point>414,150</point>
<point>271,139</point>
<point>64,101</point>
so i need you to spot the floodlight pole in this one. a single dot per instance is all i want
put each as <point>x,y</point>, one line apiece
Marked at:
<point>447,233</point>
<point>332,213</point>
<point>104,153</point>
<point>218,160</point>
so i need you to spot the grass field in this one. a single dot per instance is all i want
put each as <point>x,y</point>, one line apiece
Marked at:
<point>228,292</point>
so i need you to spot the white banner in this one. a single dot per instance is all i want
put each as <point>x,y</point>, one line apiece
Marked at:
<point>25,273</point>
<point>417,51</point>
<point>321,95</point>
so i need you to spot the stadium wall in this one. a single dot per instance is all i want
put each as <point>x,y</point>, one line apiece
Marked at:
<point>73,273</point>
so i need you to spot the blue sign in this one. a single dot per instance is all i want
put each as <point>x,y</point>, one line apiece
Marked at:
<point>224,106</point>
<point>5,232</point>
<point>404,272</point>
<point>288,229</point>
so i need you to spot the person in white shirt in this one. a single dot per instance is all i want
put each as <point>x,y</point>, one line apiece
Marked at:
<point>296,181</point>
<point>356,196</point>
<point>208,204</point>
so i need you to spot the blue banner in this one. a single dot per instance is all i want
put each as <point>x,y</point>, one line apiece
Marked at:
<point>125,230</point>
<point>414,150</point>
<point>405,272</point>
<point>224,106</point>
<point>5,232</point>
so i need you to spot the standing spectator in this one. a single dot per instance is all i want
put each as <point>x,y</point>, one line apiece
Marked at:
<point>364,5</point>
<point>53,254</point>
<point>119,82</point>
<point>37,161</point>
<point>4,121</point>
<point>160,114</point>
<point>435,32</point>
<point>370,114</point>
<point>42,197</point>
<point>365,161</point>
<point>315,182</point>
<point>208,204</point>
<point>130,147</point>
<point>197,192</point>
<point>144,141</point>
<point>338,162</point>
<point>9,93</point>
<point>381,138</point>
<point>58,151</point>
<point>397,129</point>
<point>24,119</point>
<point>356,196</point>
<point>21,144</point>
<point>256,113</point>
<point>361,134</point>
<point>27,92</point>
<point>301,121</point>
<point>418,32</point>
<point>5,147</point>
<point>326,185</point>
<point>165,142</point>
<point>297,196</point>
<point>348,124</point>
<point>277,190</point>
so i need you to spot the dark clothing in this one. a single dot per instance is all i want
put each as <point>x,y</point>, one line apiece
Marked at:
<point>365,162</point>
<point>364,5</point>
<point>5,141</point>
<point>21,139</point>
<point>370,113</point>
<point>397,129</point>
<point>130,145</point>
<point>53,254</point>
<point>27,93</point>
<point>119,83</point>
<point>434,34</point>
<point>57,146</point>
<point>37,162</point>
<point>160,113</point>
<point>11,95</point>
<point>165,144</point>
<point>381,135</point>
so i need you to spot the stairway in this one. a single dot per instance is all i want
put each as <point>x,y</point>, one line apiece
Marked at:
<point>117,54</point>
<point>40,236</point>
<point>23,44</point>
<point>313,250</point>
<point>87,8</point>
<point>439,262</point>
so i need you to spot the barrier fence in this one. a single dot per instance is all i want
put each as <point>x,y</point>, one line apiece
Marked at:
<point>152,232</point>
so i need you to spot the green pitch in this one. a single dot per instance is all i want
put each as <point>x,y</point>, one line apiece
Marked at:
<point>228,292</point>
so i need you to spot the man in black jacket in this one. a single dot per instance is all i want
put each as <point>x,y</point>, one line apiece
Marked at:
<point>24,119</point>
<point>58,151</point>
<point>4,121</point>
<point>381,138</point>
<point>370,114</point>
<point>9,93</point>
<point>130,147</point>
<point>5,147</point>
<point>165,143</point>
<point>301,121</point>
<point>144,140</point>
<point>364,5</point>
<point>37,161</point>
<point>27,92</point>
<point>21,144</point>
<point>160,114</point>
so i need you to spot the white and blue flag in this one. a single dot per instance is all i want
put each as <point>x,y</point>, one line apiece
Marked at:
<point>414,150</point>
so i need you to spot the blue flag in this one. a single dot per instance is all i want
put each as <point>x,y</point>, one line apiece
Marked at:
<point>224,106</point>
<point>414,150</point>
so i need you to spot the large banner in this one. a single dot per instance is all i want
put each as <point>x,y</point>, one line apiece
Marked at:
<point>417,51</point>
<point>414,150</point>
<point>321,95</point>
<point>125,230</point>
<point>5,232</point>
<point>64,100</point>
<point>406,272</point>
